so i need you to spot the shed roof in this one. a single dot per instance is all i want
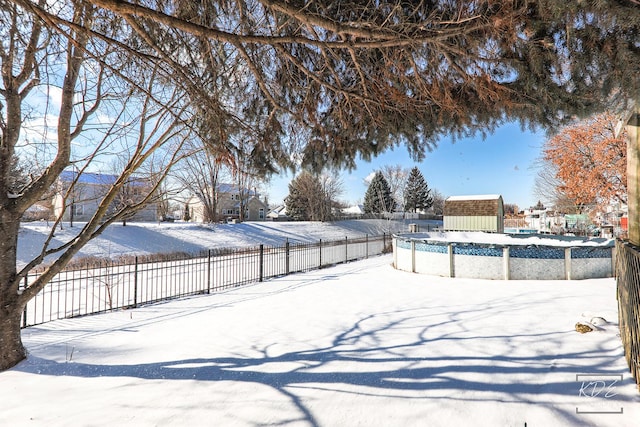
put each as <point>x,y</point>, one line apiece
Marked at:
<point>476,197</point>
<point>481,205</point>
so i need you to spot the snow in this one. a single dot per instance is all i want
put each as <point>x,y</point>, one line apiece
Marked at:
<point>353,210</point>
<point>510,239</point>
<point>355,344</point>
<point>475,197</point>
<point>151,238</point>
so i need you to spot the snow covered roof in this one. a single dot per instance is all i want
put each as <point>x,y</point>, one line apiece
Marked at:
<point>279,212</point>
<point>354,210</point>
<point>233,188</point>
<point>88,178</point>
<point>92,178</point>
<point>475,197</point>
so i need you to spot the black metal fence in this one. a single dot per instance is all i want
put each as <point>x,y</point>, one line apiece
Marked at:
<point>113,285</point>
<point>628,284</point>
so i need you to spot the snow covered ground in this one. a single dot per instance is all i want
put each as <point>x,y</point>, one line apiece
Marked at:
<point>151,238</point>
<point>512,239</point>
<point>356,344</point>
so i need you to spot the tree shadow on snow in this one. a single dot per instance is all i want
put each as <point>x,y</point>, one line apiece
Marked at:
<point>376,356</point>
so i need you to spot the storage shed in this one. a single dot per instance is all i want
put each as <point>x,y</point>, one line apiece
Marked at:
<point>474,213</point>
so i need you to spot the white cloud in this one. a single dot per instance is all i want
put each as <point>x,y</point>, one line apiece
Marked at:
<point>369,177</point>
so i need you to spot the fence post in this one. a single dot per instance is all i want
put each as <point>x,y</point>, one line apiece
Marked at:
<point>320,246</point>
<point>366,246</point>
<point>346,249</point>
<point>567,264</point>
<point>384,242</point>
<point>452,272</point>
<point>413,256</point>
<point>394,244</point>
<point>209,271</point>
<point>135,283</point>
<point>286,256</point>
<point>24,311</point>
<point>506,255</point>
<point>261,262</point>
<point>633,173</point>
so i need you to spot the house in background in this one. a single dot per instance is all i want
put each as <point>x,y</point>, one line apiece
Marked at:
<point>230,200</point>
<point>614,221</point>
<point>355,211</point>
<point>88,191</point>
<point>543,220</point>
<point>41,211</point>
<point>474,213</point>
<point>279,213</point>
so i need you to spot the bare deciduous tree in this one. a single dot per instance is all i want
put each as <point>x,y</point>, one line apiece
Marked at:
<point>396,177</point>
<point>97,115</point>
<point>199,175</point>
<point>438,202</point>
<point>318,82</point>
<point>548,188</point>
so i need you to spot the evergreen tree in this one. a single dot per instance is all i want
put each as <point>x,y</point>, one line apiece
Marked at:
<point>312,197</point>
<point>187,212</point>
<point>305,194</point>
<point>417,195</point>
<point>378,197</point>
<point>296,202</point>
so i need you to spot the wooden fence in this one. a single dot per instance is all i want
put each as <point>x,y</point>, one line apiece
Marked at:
<point>628,284</point>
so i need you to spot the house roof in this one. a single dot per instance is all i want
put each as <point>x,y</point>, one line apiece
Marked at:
<point>279,212</point>
<point>88,178</point>
<point>481,205</point>
<point>92,178</point>
<point>354,210</point>
<point>233,188</point>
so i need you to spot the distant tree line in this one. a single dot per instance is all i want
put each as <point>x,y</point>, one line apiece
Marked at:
<point>416,194</point>
<point>315,197</point>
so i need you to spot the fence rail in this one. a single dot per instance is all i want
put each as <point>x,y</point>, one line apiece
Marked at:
<point>112,285</point>
<point>628,285</point>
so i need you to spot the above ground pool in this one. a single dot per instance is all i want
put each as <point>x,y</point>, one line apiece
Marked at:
<point>481,255</point>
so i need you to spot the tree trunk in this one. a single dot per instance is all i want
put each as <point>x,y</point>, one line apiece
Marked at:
<point>11,349</point>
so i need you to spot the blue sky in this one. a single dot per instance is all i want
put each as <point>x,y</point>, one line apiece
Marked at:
<point>503,163</point>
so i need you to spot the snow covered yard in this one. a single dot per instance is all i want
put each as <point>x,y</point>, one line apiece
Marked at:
<point>147,238</point>
<point>356,344</point>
